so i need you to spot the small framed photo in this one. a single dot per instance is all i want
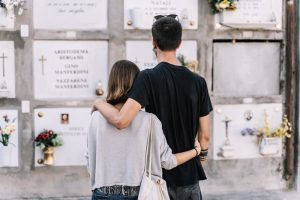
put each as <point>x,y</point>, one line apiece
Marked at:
<point>64,118</point>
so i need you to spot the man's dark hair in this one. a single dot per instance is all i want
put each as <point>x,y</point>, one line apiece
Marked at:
<point>167,33</point>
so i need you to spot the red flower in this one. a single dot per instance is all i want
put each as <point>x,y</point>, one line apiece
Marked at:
<point>50,132</point>
<point>45,136</point>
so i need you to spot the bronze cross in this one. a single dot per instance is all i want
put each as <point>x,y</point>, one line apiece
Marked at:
<point>42,59</point>
<point>3,57</point>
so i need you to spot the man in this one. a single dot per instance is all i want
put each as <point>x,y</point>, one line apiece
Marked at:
<point>179,98</point>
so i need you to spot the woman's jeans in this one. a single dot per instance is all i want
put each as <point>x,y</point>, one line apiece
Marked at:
<point>102,196</point>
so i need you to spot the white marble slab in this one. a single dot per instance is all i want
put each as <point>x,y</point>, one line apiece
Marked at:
<point>73,133</point>
<point>245,147</point>
<point>141,53</point>
<point>69,69</point>
<point>9,155</point>
<point>246,69</point>
<point>139,14</point>
<point>254,14</point>
<point>7,69</point>
<point>70,14</point>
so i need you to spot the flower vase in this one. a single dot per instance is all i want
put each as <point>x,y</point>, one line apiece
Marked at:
<point>270,146</point>
<point>136,15</point>
<point>5,155</point>
<point>7,19</point>
<point>184,19</point>
<point>3,17</point>
<point>48,156</point>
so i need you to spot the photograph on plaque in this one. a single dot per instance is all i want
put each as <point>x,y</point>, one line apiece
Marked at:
<point>7,69</point>
<point>140,14</point>
<point>64,118</point>
<point>9,144</point>
<point>253,14</point>
<point>69,69</point>
<point>249,63</point>
<point>237,131</point>
<point>70,14</point>
<point>71,127</point>
<point>141,53</point>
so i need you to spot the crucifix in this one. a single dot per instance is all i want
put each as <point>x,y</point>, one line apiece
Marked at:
<point>42,59</point>
<point>3,57</point>
<point>226,121</point>
<point>227,150</point>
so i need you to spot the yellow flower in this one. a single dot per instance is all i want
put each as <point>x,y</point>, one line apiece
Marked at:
<point>224,4</point>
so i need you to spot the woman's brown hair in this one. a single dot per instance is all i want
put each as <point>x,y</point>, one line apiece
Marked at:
<point>121,78</point>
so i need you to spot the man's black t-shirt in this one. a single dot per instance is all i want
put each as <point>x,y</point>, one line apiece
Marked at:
<point>178,98</point>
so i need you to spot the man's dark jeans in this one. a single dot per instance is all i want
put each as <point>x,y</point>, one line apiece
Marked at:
<point>191,192</point>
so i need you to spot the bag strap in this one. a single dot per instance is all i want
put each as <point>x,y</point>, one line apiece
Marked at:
<point>150,146</point>
<point>148,155</point>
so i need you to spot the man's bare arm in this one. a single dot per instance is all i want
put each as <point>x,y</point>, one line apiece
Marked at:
<point>204,132</point>
<point>120,119</point>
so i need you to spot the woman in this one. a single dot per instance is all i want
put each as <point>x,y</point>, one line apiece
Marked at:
<point>116,158</point>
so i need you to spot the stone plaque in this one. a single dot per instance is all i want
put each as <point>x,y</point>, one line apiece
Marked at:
<point>139,14</point>
<point>242,143</point>
<point>9,154</point>
<point>70,14</point>
<point>246,69</point>
<point>69,69</point>
<point>254,13</point>
<point>7,19</point>
<point>72,126</point>
<point>7,69</point>
<point>141,53</point>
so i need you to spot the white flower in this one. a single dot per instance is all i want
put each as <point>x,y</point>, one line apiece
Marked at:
<point>8,129</point>
<point>224,4</point>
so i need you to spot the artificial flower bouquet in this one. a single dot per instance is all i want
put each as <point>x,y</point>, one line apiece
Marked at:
<point>222,5</point>
<point>7,130</point>
<point>48,138</point>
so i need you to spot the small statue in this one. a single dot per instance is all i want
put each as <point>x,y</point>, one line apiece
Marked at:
<point>227,150</point>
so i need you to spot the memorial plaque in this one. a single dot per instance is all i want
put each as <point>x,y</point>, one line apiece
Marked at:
<point>242,119</point>
<point>69,69</point>
<point>7,69</point>
<point>9,149</point>
<point>7,19</point>
<point>139,14</point>
<point>254,13</point>
<point>70,14</point>
<point>72,129</point>
<point>246,69</point>
<point>141,53</point>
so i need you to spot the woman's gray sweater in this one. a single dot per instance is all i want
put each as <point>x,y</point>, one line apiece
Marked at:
<point>117,157</point>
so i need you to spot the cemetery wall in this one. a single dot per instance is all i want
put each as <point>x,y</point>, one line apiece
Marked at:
<point>244,68</point>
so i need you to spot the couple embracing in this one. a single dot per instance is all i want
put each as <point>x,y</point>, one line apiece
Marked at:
<point>177,105</point>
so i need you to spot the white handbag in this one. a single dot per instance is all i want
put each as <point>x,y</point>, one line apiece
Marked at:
<point>151,189</point>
